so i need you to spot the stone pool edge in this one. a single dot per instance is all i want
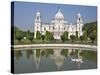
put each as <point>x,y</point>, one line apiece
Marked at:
<point>54,45</point>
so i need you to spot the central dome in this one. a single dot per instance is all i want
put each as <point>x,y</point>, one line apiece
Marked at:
<point>59,15</point>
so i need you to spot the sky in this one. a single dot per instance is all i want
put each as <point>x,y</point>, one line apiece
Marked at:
<point>25,13</point>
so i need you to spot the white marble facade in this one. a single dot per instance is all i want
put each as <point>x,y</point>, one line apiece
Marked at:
<point>58,25</point>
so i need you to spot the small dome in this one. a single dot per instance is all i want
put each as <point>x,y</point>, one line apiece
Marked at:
<point>59,15</point>
<point>78,15</point>
<point>38,13</point>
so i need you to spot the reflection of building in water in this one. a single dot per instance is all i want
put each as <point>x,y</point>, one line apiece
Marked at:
<point>37,59</point>
<point>58,58</point>
<point>78,60</point>
<point>69,52</point>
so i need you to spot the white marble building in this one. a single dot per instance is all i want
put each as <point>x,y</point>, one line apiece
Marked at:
<point>58,25</point>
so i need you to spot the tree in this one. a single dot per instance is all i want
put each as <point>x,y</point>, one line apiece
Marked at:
<point>92,36</point>
<point>77,35</point>
<point>72,37</point>
<point>30,38</point>
<point>49,36</point>
<point>18,35</point>
<point>85,36</point>
<point>19,38</point>
<point>64,36</point>
<point>42,37</point>
<point>90,30</point>
<point>38,35</point>
<point>81,38</point>
<point>32,34</point>
<point>89,27</point>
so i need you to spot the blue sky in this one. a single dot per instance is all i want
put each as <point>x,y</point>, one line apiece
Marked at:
<point>25,12</point>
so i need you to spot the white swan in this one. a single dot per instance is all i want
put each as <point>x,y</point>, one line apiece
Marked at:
<point>77,60</point>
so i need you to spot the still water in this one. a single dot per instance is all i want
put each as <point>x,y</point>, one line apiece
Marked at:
<point>43,60</point>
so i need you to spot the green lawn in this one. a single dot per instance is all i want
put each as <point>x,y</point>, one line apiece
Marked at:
<point>51,42</point>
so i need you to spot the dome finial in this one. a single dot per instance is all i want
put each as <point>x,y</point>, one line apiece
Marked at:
<point>59,15</point>
<point>38,13</point>
<point>59,9</point>
<point>78,14</point>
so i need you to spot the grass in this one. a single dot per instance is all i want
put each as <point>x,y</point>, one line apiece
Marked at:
<point>51,42</point>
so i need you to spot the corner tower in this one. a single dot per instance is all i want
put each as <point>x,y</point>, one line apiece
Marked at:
<point>37,23</point>
<point>79,24</point>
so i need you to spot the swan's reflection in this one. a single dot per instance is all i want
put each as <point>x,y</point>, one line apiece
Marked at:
<point>78,59</point>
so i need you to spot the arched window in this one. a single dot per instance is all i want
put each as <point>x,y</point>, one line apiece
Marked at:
<point>59,27</point>
<point>37,18</point>
<point>58,34</point>
<point>79,19</point>
<point>79,29</point>
<point>72,28</point>
<point>53,28</point>
<point>37,27</point>
<point>64,28</point>
<point>59,21</point>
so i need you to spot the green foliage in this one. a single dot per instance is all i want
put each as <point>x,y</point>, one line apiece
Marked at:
<point>81,38</point>
<point>28,34</point>
<point>19,36</point>
<point>73,53</point>
<point>90,55</point>
<point>89,27</point>
<point>43,53</point>
<point>85,36</point>
<point>77,35</point>
<point>48,51</point>
<point>42,37</point>
<point>29,53</point>
<point>90,31</point>
<point>93,36</point>
<point>72,37</point>
<point>49,36</point>
<point>30,38</point>
<point>64,52</point>
<point>38,35</point>
<point>17,54</point>
<point>64,36</point>
<point>38,53</point>
<point>25,41</point>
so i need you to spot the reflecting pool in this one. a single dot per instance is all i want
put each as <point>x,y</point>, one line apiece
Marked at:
<point>53,59</point>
